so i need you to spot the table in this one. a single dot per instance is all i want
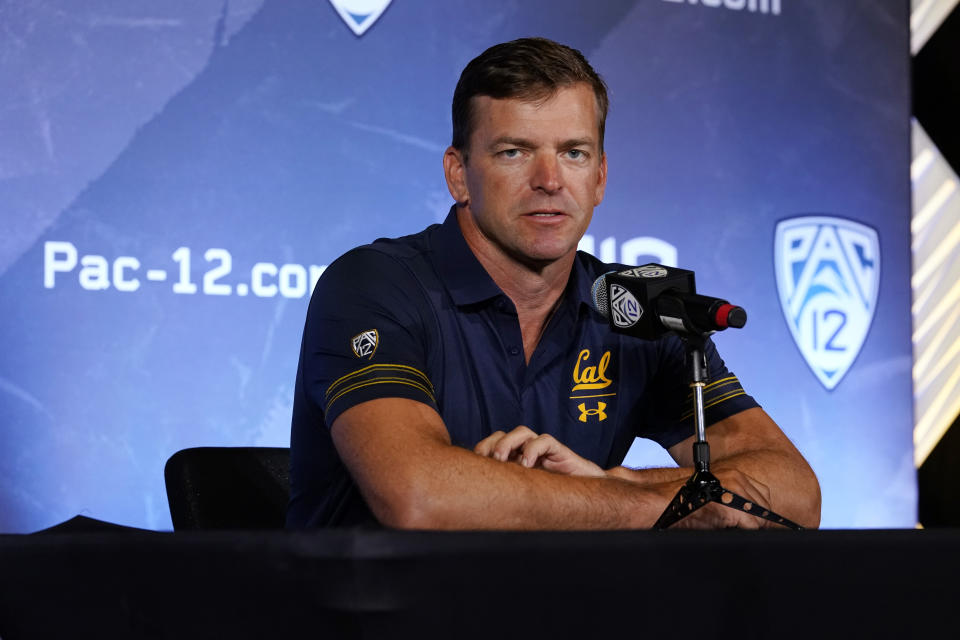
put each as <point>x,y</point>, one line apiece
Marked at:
<point>385,584</point>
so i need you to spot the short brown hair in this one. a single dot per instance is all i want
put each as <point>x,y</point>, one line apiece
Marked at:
<point>528,68</point>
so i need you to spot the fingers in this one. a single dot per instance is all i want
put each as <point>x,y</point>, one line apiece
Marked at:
<point>531,450</point>
<point>746,486</point>
<point>548,453</point>
<point>541,446</point>
<point>756,494</point>
<point>504,446</point>
<point>723,515</point>
<point>715,516</point>
<point>508,447</point>
<point>485,446</point>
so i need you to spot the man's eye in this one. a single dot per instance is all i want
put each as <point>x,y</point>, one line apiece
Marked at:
<point>576,154</point>
<point>510,153</point>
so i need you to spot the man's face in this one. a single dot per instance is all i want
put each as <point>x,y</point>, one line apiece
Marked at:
<point>534,173</point>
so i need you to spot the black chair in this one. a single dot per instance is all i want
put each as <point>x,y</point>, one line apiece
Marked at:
<point>228,487</point>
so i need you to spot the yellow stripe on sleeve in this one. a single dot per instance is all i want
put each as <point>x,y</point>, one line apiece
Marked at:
<point>733,394</point>
<point>372,367</point>
<point>719,383</point>
<point>368,383</point>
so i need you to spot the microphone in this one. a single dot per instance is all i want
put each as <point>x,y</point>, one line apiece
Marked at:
<point>651,300</point>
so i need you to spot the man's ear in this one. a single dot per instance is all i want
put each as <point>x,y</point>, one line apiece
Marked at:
<point>601,181</point>
<point>454,170</point>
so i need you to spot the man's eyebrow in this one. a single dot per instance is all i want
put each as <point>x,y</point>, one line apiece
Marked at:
<point>578,142</point>
<point>512,141</point>
<point>527,144</point>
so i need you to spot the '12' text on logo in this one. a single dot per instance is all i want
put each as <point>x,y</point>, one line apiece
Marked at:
<point>828,277</point>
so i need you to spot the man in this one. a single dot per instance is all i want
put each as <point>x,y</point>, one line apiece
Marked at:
<point>460,379</point>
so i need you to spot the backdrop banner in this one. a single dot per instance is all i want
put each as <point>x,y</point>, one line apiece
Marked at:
<point>175,176</point>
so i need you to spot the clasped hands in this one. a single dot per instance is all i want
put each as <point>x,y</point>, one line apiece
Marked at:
<point>542,451</point>
<point>537,451</point>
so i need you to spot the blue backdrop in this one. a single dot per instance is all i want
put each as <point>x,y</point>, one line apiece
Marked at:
<point>174,176</point>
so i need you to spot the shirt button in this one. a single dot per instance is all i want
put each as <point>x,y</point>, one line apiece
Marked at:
<point>514,351</point>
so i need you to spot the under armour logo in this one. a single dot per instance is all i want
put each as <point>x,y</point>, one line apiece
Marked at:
<point>599,411</point>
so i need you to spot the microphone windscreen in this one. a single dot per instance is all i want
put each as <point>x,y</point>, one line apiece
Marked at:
<point>599,294</point>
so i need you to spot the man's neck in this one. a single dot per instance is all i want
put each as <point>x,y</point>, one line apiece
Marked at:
<point>534,289</point>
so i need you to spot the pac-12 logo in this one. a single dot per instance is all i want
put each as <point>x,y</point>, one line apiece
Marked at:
<point>646,271</point>
<point>828,275</point>
<point>360,14</point>
<point>364,344</point>
<point>624,308</point>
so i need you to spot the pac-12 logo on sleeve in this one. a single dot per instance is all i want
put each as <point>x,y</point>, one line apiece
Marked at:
<point>365,344</point>
<point>360,14</point>
<point>828,276</point>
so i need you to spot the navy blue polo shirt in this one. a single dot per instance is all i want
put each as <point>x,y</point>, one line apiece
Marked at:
<point>418,317</point>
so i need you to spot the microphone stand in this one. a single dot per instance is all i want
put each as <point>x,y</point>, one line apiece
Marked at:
<point>703,487</point>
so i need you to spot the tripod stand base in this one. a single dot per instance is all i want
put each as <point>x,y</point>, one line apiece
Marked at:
<point>703,488</point>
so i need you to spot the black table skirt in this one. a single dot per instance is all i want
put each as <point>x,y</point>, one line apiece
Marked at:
<point>383,584</point>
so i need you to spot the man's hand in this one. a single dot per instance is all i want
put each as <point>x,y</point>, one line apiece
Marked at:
<point>753,458</point>
<point>532,450</point>
<point>715,516</point>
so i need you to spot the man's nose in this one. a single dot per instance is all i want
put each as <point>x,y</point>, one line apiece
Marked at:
<point>546,173</point>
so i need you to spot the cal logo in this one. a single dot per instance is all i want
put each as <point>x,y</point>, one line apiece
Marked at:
<point>360,14</point>
<point>828,275</point>
<point>365,344</point>
<point>591,376</point>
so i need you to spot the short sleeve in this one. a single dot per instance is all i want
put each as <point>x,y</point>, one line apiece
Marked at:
<point>669,399</point>
<point>364,335</point>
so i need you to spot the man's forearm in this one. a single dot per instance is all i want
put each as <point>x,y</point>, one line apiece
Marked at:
<point>399,454</point>
<point>793,490</point>
<point>467,491</point>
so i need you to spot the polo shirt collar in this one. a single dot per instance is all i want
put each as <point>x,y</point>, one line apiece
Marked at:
<point>466,279</point>
<point>581,283</point>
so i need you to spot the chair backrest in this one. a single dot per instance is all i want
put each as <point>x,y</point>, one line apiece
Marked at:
<point>228,487</point>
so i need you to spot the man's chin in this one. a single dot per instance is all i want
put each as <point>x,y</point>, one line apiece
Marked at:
<point>539,257</point>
